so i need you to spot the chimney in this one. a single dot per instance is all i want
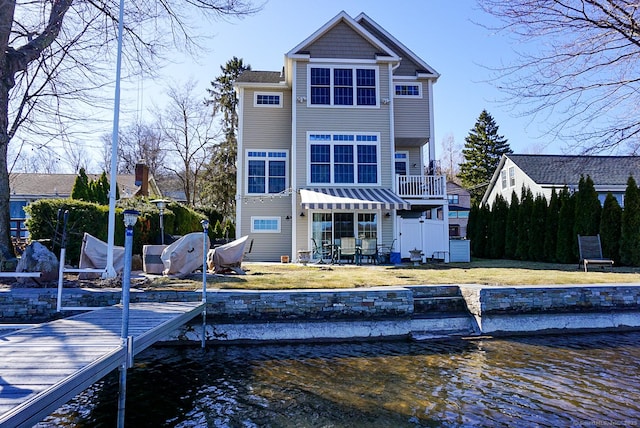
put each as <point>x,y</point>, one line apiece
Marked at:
<point>142,178</point>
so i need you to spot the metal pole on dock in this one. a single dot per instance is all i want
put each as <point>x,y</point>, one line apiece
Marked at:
<point>130,218</point>
<point>205,228</point>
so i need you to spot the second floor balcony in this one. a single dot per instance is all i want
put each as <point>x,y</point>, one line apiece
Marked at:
<point>422,186</point>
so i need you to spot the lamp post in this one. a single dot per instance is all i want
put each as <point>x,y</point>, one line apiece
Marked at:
<point>130,219</point>
<point>205,229</point>
<point>161,204</point>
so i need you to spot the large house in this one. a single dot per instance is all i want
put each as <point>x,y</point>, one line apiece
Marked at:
<point>542,173</point>
<point>334,146</point>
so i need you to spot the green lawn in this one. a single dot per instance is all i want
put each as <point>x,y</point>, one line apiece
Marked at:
<point>277,276</point>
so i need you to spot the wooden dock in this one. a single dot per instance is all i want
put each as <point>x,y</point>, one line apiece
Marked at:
<point>43,367</point>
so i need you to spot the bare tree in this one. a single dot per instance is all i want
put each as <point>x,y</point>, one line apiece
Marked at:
<point>451,158</point>
<point>137,142</point>
<point>188,132</point>
<point>55,54</point>
<point>577,70</point>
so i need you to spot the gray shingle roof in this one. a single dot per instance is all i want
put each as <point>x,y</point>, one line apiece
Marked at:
<point>260,77</point>
<point>34,185</point>
<point>561,170</point>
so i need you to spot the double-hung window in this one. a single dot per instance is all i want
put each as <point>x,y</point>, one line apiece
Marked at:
<point>343,86</point>
<point>343,158</point>
<point>267,171</point>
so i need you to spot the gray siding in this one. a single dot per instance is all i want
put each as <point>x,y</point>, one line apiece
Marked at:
<point>343,119</point>
<point>414,159</point>
<point>341,42</point>
<point>407,66</point>
<point>411,115</point>
<point>267,246</point>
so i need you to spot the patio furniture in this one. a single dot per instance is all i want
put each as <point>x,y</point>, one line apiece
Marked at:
<point>369,249</point>
<point>349,249</point>
<point>591,252</point>
<point>321,251</point>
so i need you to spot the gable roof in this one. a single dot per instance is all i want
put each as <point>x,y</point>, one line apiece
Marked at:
<point>343,18</point>
<point>410,61</point>
<point>44,186</point>
<point>559,170</point>
<point>249,77</point>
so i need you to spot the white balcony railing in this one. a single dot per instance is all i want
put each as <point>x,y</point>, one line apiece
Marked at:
<point>422,186</point>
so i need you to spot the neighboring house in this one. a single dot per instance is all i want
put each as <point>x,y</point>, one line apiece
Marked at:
<point>542,173</point>
<point>459,206</point>
<point>30,187</point>
<point>334,146</point>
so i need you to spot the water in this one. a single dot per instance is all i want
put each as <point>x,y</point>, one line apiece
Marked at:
<point>554,381</point>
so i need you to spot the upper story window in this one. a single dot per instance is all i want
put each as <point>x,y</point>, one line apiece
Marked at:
<point>453,199</point>
<point>512,176</point>
<point>408,90</point>
<point>401,163</point>
<point>267,99</point>
<point>343,158</point>
<point>343,86</point>
<point>267,171</point>
<point>503,178</point>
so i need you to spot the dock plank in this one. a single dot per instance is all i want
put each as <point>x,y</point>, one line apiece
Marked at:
<point>44,366</point>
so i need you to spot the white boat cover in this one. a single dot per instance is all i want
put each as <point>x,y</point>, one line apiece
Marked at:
<point>185,255</point>
<point>93,255</point>
<point>227,257</point>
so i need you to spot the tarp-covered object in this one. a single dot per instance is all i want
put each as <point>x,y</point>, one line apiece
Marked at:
<point>93,255</point>
<point>185,255</point>
<point>227,257</point>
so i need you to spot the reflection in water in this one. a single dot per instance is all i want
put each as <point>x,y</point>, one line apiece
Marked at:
<point>588,380</point>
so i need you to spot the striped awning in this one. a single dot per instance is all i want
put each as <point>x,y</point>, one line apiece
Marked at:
<point>352,199</point>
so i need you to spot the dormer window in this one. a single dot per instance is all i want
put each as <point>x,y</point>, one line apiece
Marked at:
<point>343,86</point>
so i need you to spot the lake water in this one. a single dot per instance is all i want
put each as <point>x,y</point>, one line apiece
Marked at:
<point>549,381</point>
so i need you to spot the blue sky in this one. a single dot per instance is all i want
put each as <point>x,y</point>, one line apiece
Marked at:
<point>442,33</point>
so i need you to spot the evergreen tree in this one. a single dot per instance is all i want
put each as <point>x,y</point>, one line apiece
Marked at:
<point>587,222</point>
<point>551,227</point>
<point>511,236</point>
<point>481,226</point>
<point>81,188</point>
<point>498,227</point>
<point>567,245</point>
<point>482,152</point>
<point>536,233</point>
<point>630,242</point>
<point>219,189</point>
<point>525,214</point>
<point>611,228</point>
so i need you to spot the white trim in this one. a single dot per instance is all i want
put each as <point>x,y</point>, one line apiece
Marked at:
<point>268,94</point>
<point>355,144</point>
<point>277,219</point>
<point>294,160</point>
<point>432,145</point>
<point>341,61</point>
<point>406,83</point>
<point>354,68</point>
<point>239,165</point>
<point>266,159</point>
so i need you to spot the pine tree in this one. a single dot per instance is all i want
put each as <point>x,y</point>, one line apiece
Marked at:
<point>611,228</point>
<point>482,152</point>
<point>498,227</point>
<point>220,188</point>
<point>587,222</point>
<point>511,236</point>
<point>551,227</point>
<point>81,187</point>
<point>567,241</point>
<point>630,241</point>
<point>536,233</point>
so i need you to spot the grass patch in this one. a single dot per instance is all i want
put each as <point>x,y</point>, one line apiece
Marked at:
<point>276,276</point>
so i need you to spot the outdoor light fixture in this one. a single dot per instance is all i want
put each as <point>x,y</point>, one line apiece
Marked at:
<point>161,204</point>
<point>130,218</point>
<point>302,214</point>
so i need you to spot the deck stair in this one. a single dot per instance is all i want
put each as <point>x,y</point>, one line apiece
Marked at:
<point>439,311</point>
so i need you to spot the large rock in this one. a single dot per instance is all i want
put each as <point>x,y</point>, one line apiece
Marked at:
<point>37,258</point>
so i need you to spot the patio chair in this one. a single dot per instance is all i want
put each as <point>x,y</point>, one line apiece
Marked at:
<point>320,251</point>
<point>370,249</point>
<point>348,248</point>
<point>591,252</point>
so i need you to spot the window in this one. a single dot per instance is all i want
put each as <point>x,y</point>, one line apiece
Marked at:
<point>503,177</point>
<point>401,163</point>
<point>343,158</point>
<point>267,99</point>
<point>453,199</point>
<point>454,230</point>
<point>408,90</point>
<point>367,225</point>
<point>512,176</point>
<point>328,227</point>
<point>341,86</point>
<point>265,224</point>
<point>267,171</point>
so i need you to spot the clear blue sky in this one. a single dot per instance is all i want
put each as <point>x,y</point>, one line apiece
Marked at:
<point>441,32</point>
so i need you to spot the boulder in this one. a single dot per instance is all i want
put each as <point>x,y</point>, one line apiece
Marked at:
<point>37,258</point>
